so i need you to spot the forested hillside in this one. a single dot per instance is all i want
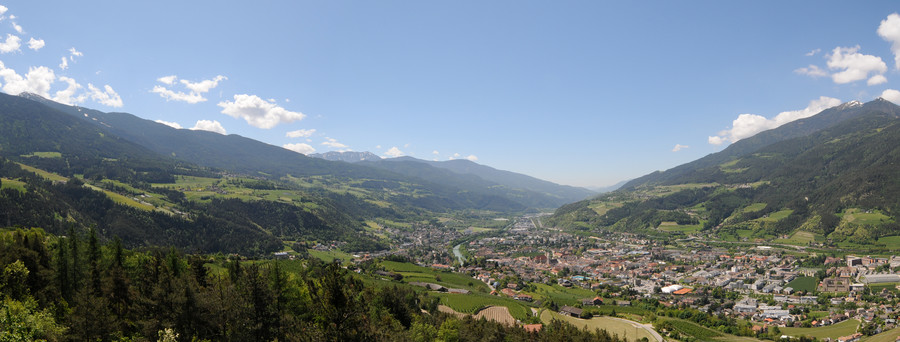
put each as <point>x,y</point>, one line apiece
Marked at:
<point>838,183</point>
<point>79,288</point>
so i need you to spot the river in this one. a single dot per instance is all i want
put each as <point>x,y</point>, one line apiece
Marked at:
<point>458,254</point>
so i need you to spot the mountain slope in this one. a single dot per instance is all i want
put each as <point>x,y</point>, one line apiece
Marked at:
<point>795,129</point>
<point>840,183</point>
<point>247,156</point>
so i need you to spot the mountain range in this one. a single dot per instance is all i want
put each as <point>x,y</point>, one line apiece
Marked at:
<point>156,185</point>
<point>831,179</point>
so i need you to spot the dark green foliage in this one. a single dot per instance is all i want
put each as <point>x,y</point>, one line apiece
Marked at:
<point>142,294</point>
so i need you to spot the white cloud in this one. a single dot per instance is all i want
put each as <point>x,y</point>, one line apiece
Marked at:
<point>891,95</point>
<point>716,140</point>
<point>679,147</point>
<point>106,96</point>
<point>203,86</point>
<point>747,125</point>
<point>333,143</point>
<point>258,112</point>
<point>454,156</point>
<point>75,53</point>
<point>3,9</point>
<point>195,95</point>
<point>17,27</point>
<point>394,152</point>
<point>877,79</point>
<point>435,152</point>
<point>378,146</point>
<point>64,64</point>
<point>813,52</point>
<point>472,157</point>
<point>300,133</point>
<point>854,65</point>
<point>177,96</point>
<point>172,124</point>
<point>300,148</point>
<point>11,44</point>
<point>812,71</point>
<point>889,30</point>
<point>36,44</point>
<point>209,125</point>
<point>37,80</point>
<point>167,79</point>
<point>67,96</point>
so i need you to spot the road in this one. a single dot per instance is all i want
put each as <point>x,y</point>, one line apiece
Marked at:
<point>648,327</point>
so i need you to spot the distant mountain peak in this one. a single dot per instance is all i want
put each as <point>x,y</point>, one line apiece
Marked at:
<point>32,96</point>
<point>851,104</point>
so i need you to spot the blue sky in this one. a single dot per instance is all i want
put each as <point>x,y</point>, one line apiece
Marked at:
<point>581,93</point>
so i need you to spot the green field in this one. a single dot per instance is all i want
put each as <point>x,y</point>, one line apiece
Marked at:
<point>887,336</point>
<point>329,256</point>
<point>892,287</point>
<point>776,216</point>
<point>801,238</point>
<point>416,273</point>
<point>755,207</point>
<point>861,217</point>
<point>12,184</point>
<point>47,175</point>
<point>803,284</point>
<point>472,302</point>
<point>615,326</point>
<point>683,228</point>
<point>844,328</point>
<point>892,242</point>
<point>43,155</point>
<point>693,329</point>
<point>561,295</point>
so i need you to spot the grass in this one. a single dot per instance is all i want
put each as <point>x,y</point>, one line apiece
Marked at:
<point>776,216</point>
<point>801,238</point>
<point>416,273</point>
<point>329,256</point>
<point>120,199</point>
<point>861,217</point>
<point>472,302</point>
<point>803,284</point>
<point>561,295</point>
<point>755,207</point>
<point>693,329</point>
<point>12,184</point>
<point>602,207</point>
<point>43,155</point>
<point>892,242</point>
<point>844,328</point>
<point>892,287</point>
<point>47,175</point>
<point>887,336</point>
<point>683,228</point>
<point>613,326</point>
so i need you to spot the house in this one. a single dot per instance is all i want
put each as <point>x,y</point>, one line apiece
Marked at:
<point>281,255</point>
<point>523,297</point>
<point>533,328</point>
<point>841,284</point>
<point>570,311</point>
<point>592,301</point>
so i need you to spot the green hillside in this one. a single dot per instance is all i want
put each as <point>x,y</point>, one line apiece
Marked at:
<point>838,185</point>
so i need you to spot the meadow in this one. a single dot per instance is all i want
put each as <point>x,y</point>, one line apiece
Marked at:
<point>619,327</point>
<point>834,331</point>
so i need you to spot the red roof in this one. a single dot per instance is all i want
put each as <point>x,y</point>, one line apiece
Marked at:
<point>533,327</point>
<point>683,291</point>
